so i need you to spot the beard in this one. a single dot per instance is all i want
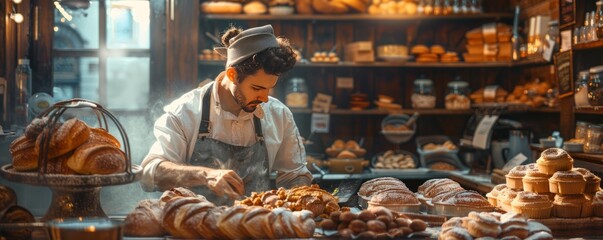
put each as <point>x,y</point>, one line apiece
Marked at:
<point>242,101</point>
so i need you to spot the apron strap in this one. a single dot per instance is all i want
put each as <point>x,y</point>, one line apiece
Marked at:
<point>204,125</point>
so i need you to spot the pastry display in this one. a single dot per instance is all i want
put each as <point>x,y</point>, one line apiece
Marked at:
<point>387,103</point>
<point>392,160</point>
<point>460,203</point>
<point>318,201</point>
<point>446,146</point>
<point>254,8</point>
<point>370,187</point>
<point>341,149</point>
<point>492,225</point>
<point>572,206</point>
<point>516,174</point>
<point>281,7</point>
<point>493,195</point>
<point>325,57</point>
<point>554,159</point>
<point>567,182</point>
<point>73,147</point>
<point>221,7</point>
<point>489,94</point>
<point>393,7</point>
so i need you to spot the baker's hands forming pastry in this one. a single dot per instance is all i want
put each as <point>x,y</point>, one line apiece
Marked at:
<point>225,182</point>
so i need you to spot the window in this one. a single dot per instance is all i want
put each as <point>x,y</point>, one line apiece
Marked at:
<point>101,52</point>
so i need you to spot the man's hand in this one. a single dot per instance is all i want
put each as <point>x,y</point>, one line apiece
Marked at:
<point>225,182</point>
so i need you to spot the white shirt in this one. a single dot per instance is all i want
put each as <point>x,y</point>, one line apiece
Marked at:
<point>177,129</point>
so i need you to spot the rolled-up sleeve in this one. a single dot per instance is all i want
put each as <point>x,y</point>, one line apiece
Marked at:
<point>290,160</point>
<point>170,145</point>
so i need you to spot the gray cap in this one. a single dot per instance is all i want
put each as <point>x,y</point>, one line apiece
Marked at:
<point>247,43</point>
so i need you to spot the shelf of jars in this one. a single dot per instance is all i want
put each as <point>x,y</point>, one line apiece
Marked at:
<point>527,62</point>
<point>592,110</point>
<point>356,17</point>
<point>588,45</point>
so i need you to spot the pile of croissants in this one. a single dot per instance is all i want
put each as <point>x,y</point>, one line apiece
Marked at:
<point>183,214</point>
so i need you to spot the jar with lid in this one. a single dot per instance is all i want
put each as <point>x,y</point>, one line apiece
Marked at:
<point>594,136</point>
<point>423,96</point>
<point>595,86</point>
<point>296,94</point>
<point>599,20</point>
<point>581,90</point>
<point>457,95</point>
<point>581,128</point>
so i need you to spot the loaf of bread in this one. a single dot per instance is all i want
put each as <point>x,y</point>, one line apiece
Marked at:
<point>94,158</point>
<point>145,220</point>
<point>8,197</point>
<point>192,217</point>
<point>25,156</point>
<point>100,135</point>
<point>66,138</point>
<point>178,192</point>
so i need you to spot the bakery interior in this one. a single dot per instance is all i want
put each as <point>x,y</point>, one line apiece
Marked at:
<point>438,119</point>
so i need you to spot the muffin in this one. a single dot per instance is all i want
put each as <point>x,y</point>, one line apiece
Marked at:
<point>493,195</point>
<point>593,183</point>
<point>532,205</point>
<point>598,204</point>
<point>553,160</point>
<point>572,206</point>
<point>505,198</point>
<point>567,182</point>
<point>536,182</point>
<point>396,200</point>
<point>515,176</point>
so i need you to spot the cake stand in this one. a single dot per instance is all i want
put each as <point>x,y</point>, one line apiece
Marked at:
<point>74,195</point>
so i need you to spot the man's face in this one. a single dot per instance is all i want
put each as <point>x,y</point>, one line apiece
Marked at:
<point>254,90</point>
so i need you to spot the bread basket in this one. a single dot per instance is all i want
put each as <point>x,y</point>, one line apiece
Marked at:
<point>397,136</point>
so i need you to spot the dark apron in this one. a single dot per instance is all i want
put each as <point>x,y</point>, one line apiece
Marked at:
<point>250,163</point>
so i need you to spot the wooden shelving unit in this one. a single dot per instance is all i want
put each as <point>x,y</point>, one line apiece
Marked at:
<point>588,45</point>
<point>356,17</point>
<point>593,111</point>
<point>535,62</point>
<point>594,158</point>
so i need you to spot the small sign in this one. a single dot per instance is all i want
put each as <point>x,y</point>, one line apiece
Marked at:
<point>321,103</point>
<point>549,46</point>
<point>566,40</point>
<point>567,8</point>
<point>563,70</point>
<point>515,161</point>
<point>481,137</point>
<point>320,123</point>
<point>345,82</point>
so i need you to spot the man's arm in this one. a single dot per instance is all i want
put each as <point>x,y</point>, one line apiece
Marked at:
<point>290,162</point>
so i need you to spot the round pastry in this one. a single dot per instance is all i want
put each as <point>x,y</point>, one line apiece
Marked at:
<point>66,138</point>
<point>493,195</point>
<point>505,198</point>
<point>8,197</point>
<point>254,7</point>
<point>419,49</point>
<point>329,7</point>
<point>338,144</point>
<point>553,160</point>
<point>370,189</point>
<point>483,225</point>
<point>598,204</point>
<point>532,205</point>
<point>515,176</point>
<point>356,5</point>
<point>92,158</point>
<point>572,206</point>
<point>593,183</point>
<point>437,49</point>
<point>304,6</point>
<point>567,182</point>
<point>25,156</point>
<point>221,7</point>
<point>536,182</point>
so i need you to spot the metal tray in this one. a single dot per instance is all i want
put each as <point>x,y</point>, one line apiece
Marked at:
<point>65,180</point>
<point>458,211</point>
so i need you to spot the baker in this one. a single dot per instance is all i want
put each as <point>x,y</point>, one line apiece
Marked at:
<point>223,139</point>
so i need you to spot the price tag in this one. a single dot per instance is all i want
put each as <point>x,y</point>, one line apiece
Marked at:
<point>320,123</point>
<point>345,82</point>
<point>566,40</point>
<point>481,137</point>
<point>515,161</point>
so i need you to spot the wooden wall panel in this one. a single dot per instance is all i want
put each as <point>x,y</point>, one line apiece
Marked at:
<point>41,46</point>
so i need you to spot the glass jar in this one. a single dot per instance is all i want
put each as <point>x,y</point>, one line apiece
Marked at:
<point>297,93</point>
<point>595,86</point>
<point>581,90</point>
<point>581,128</point>
<point>22,93</point>
<point>423,96</point>
<point>594,136</point>
<point>553,35</point>
<point>599,20</point>
<point>457,95</point>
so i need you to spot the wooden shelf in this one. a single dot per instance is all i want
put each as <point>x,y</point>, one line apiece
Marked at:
<point>530,62</point>
<point>588,45</point>
<point>403,64</point>
<point>355,17</point>
<point>593,111</point>
<point>386,112</point>
<point>594,158</point>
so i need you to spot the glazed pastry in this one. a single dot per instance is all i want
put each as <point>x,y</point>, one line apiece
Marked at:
<point>567,182</point>
<point>593,183</point>
<point>482,225</point>
<point>505,197</point>
<point>553,160</point>
<point>536,182</point>
<point>515,176</point>
<point>493,195</point>
<point>467,198</point>
<point>25,157</point>
<point>598,204</point>
<point>66,138</point>
<point>92,158</point>
<point>368,188</point>
<point>532,205</point>
<point>444,185</point>
<point>396,200</point>
<point>572,206</point>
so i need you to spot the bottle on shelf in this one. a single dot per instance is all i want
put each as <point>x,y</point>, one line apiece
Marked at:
<point>595,86</point>
<point>581,90</point>
<point>585,29</point>
<point>599,19</point>
<point>592,34</point>
<point>516,39</point>
<point>22,93</point>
